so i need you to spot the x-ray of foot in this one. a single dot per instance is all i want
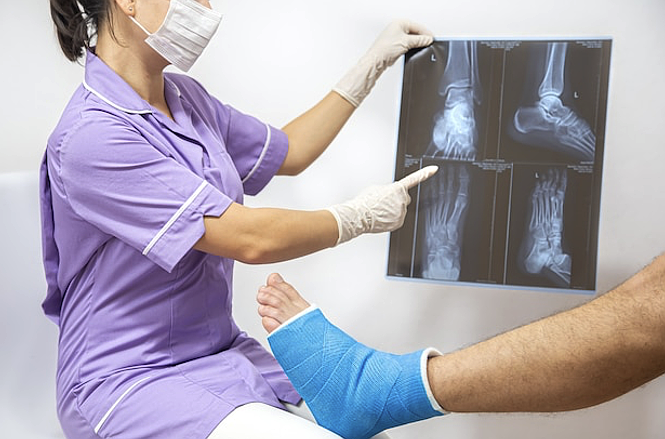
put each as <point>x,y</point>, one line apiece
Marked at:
<point>541,251</point>
<point>445,204</point>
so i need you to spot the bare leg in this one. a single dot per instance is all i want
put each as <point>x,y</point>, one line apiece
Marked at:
<point>571,360</point>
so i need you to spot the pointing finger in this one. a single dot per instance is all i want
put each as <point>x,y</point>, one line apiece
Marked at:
<point>417,177</point>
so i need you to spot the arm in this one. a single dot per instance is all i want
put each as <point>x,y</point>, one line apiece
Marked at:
<point>572,360</point>
<point>260,236</point>
<point>264,235</point>
<point>311,133</point>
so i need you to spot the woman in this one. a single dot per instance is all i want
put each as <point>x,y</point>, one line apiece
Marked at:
<point>142,187</point>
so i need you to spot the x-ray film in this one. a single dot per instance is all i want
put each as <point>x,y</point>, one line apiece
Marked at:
<point>517,130</point>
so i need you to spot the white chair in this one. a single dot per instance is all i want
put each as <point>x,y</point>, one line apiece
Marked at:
<point>27,338</point>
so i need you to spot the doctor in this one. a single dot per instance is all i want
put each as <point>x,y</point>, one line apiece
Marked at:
<point>142,186</point>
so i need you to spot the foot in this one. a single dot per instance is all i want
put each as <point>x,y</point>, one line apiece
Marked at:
<point>278,302</point>
<point>352,390</point>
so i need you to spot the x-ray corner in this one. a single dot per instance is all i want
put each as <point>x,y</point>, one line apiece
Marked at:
<point>517,129</point>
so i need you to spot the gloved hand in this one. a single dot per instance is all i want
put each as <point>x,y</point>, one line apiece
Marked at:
<point>378,208</point>
<point>395,40</point>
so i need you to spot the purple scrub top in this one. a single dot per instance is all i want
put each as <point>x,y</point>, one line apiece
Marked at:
<point>148,346</point>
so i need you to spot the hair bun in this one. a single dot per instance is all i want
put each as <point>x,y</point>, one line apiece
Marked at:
<point>76,22</point>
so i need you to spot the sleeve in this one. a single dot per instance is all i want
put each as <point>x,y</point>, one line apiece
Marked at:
<point>114,179</point>
<point>256,148</point>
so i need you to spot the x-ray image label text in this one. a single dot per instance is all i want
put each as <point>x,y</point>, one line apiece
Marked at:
<point>517,130</point>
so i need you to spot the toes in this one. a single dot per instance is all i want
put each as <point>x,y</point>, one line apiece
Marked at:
<point>274,304</point>
<point>264,297</point>
<point>269,324</point>
<point>271,296</point>
<point>267,311</point>
<point>275,279</point>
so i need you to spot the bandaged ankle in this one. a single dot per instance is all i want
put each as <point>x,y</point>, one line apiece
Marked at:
<point>351,389</point>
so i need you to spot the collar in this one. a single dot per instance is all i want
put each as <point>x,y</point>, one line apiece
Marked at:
<point>107,85</point>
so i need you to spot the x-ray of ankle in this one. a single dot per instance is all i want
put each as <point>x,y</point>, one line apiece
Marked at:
<point>455,132</point>
<point>444,205</point>
<point>541,251</point>
<point>548,122</point>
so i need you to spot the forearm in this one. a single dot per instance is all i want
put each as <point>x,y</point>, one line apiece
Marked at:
<point>266,235</point>
<point>311,133</point>
<point>571,360</point>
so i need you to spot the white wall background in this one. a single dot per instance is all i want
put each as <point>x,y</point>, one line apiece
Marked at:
<point>274,59</point>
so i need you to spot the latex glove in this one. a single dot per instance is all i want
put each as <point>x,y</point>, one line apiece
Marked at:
<point>378,208</point>
<point>395,40</point>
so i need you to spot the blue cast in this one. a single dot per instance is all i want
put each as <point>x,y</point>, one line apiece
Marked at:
<point>350,389</point>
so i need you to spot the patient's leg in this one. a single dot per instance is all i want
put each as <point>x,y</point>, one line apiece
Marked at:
<point>549,122</point>
<point>455,132</point>
<point>446,200</point>
<point>350,389</point>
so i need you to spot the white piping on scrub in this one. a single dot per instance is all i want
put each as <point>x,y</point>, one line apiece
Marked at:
<point>174,218</point>
<point>101,422</point>
<point>261,157</point>
<point>111,103</point>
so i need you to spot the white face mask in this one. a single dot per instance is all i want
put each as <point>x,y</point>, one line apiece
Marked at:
<point>186,31</point>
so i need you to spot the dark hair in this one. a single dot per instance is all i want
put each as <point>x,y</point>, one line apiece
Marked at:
<point>77,23</point>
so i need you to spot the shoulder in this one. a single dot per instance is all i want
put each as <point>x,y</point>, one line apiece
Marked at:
<point>85,116</point>
<point>89,135</point>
